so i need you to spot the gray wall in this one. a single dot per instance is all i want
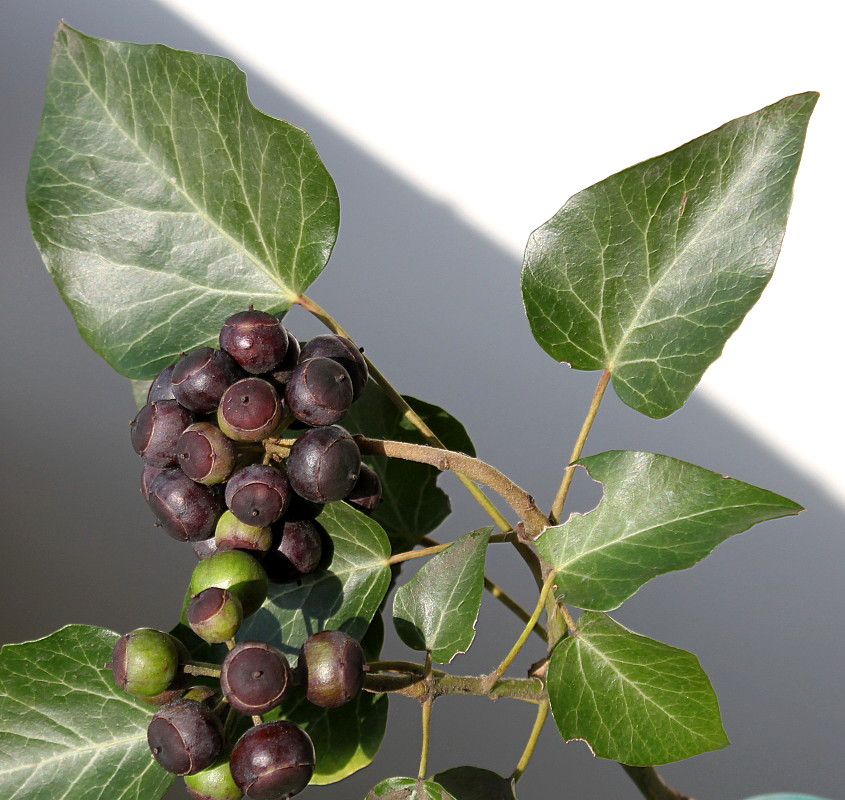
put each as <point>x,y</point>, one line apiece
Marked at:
<point>438,308</point>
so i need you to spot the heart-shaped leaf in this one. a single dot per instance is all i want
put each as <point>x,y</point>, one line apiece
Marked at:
<point>657,515</point>
<point>632,699</point>
<point>436,610</point>
<point>67,730</point>
<point>474,783</point>
<point>408,789</point>
<point>648,272</point>
<point>163,201</point>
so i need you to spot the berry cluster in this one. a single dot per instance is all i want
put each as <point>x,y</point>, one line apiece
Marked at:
<point>250,517</point>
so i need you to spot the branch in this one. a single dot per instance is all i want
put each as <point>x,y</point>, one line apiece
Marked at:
<point>529,689</point>
<point>652,786</point>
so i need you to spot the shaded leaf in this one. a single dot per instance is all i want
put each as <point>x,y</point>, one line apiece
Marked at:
<point>657,515</point>
<point>67,730</point>
<point>408,789</point>
<point>436,610</point>
<point>473,783</point>
<point>163,201</point>
<point>632,699</point>
<point>648,272</point>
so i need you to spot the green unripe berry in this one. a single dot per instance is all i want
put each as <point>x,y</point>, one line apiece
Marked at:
<point>213,783</point>
<point>215,615</point>
<point>145,661</point>
<point>232,534</point>
<point>236,571</point>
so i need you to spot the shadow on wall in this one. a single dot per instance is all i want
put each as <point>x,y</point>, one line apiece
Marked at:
<point>437,307</point>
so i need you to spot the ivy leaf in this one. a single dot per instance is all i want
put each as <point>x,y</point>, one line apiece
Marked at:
<point>67,730</point>
<point>343,595</point>
<point>648,272</point>
<point>473,783</point>
<point>632,699</point>
<point>412,504</point>
<point>163,201</point>
<point>657,515</point>
<point>436,610</point>
<point>345,739</point>
<point>408,789</point>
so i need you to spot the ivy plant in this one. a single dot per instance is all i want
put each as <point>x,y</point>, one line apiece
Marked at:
<point>164,204</point>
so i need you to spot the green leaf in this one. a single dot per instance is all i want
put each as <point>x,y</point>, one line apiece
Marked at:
<point>163,201</point>
<point>140,390</point>
<point>343,595</point>
<point>436,610</point>
<point>408,789</point>
<point>648,272</point>
<point>67,730</point>
<point>412,504</point>
<point>473,783</point>
<point>345,739</point>
<point>632,699</point>
<point>657,515</point>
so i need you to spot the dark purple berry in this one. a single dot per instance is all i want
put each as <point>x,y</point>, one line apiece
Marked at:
<point>255,677</point>
<point>255,339</point>
<point>249,410</point>
<point>258,494</point>
<point>188,511</point>
<point>297,550</point>
<point>205,454</point>
<point>281,373</point>
<point>215,614</point>
<point>366,493</point>
<point>147,477</point>
<point>235,570</point>
<point>156,429</point>
<point>339,349</point>
<point>161,388</point>
<point>331,668</point>
<point>204,548</point>
<point>145,661</point>
<point>319,392</point>
<point>273,761</point>
<point>232,534</point>
<point>201,376</point>
<point>324,464</point>
<point>185,737</point>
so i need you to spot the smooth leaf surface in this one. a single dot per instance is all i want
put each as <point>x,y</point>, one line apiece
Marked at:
<point>412,504</point>
<point>632,699</point>
<point>436,610</point>
<point>474,783</point>
<point>408,789</point>
<point>648,272</point>
<point>163,201</point>
<point>657,514</point>
<point>66,730</point>
<point>342,595</point>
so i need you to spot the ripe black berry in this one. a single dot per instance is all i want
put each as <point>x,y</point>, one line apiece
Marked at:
<point>340,349</point>
<point>235,570</point>
<point>232,534</point>
<point>297,549</point>
<point>319,392</point>
<point>185,737</point>
<point>215,614</point>
<point>188,511</point>
<point>258,494</point>
<point>147,477</point>
<point>249,410</point>
<point>255,677</point>
<point>366,492</point>
<point>255,339</point>
<point>273,761</point>
<point>280,374</point>
<point>205,454</point>
<point>331,668</point>
<point>324,464</point>
<point>145,661</point>
<point>161,388</point>
<point>156,429</point>
<point>201,376</point>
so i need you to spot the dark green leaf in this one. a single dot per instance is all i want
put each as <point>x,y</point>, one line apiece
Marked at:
<point>436,610</point>
<point>657,515</point>
<point>163,201</point>
<point>408,789</point>
<point>473,783</point>
<point>343,595</point>
<point>412,504</point>
<point>648,272</point>
<point>67,730</point>
<point>632,699</point>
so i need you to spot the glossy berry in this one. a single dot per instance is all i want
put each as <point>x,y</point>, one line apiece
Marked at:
<point>258,494</point>
<point>281,373</point>
<point>255,677</point>
<point>319,392</point>
<point>188,511</point>
<point>331,668</point>
<point>185,737</point>
<point>156,429</point>
<point>215,614</point>
<point>204,548</point>
<point>324,464</point>
<point>255,339</point>
<point>147,477</point>
<point>340,349</point>
<point>232,534</point>
<point>201,376</point>
<point>205,454</point>
<point>161,388</point>
<point>213,783</point>
<point>297,549</point>
<point>273,761</point>
<point>366,493</point>
<point>145,661</point>
<point>235,570</point>
<point>250,410</point>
